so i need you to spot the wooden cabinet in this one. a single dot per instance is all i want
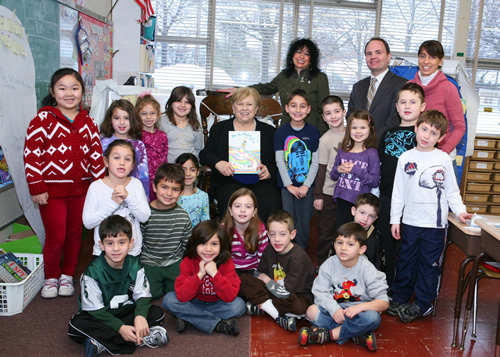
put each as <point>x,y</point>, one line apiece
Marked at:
<point>480,186</point>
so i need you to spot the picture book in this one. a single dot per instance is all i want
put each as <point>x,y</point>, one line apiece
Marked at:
<point>244,151</point>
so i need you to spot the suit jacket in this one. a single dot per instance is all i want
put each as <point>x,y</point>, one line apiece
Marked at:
<point>383,108</point>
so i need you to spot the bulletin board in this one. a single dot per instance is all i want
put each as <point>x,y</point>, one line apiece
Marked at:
<point>94,38</point>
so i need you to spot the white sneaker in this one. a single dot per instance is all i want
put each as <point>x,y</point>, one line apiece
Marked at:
<point>157,337</point>
<point>49,290</point>
<point>66,285</point>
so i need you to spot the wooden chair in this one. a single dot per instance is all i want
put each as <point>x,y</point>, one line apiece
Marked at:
<point>215,103</point>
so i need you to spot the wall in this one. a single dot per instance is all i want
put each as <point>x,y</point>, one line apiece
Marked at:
<point>41,22</point>
<point>126,39</point>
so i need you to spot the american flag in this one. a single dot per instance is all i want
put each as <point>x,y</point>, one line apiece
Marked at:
<point>147,9</point>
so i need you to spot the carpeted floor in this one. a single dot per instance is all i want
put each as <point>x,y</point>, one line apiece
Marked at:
<point>41,330</point>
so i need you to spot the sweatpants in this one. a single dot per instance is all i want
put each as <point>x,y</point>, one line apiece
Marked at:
<point>419,265</point>
<point>62,220</point>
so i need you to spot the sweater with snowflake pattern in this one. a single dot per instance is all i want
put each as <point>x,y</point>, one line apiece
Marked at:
<point>61,157</point>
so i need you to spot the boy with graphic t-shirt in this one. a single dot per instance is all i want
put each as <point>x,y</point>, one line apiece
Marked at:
<point>349,294</point>
<point>425,188</point>
<point>282,283</point>
<point>296,146</point>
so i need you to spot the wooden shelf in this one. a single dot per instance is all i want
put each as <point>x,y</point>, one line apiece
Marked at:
<point>475,206</point>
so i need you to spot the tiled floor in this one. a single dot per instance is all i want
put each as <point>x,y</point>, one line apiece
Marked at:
<point>428,336</point>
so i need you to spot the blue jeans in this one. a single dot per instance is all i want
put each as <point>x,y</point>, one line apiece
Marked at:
<point>204,315</point>
<point>364,322</point>
<point>301,211</point>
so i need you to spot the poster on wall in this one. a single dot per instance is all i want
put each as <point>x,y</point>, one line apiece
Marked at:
<point>94,43</point>
<point>68,25</point>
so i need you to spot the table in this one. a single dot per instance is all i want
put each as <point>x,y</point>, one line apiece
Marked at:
<point>469,241</point>
<point>490,246</point>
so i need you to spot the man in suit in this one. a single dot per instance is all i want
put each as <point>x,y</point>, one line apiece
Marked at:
<point>382,92</point>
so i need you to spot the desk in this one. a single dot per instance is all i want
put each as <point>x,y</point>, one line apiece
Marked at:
<point>490,246</point>
<point>469,241</point>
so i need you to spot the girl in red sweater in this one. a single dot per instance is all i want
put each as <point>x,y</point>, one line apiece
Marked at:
<point>62,153</point>
<point>206,290</point>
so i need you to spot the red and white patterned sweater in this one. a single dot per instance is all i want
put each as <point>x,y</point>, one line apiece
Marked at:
<point>61,157</point>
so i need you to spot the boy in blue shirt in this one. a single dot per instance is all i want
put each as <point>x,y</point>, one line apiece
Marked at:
<point>296,147</point>
<point>115,303</point>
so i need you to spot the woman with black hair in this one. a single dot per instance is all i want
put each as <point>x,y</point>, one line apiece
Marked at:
<point>301,71</point>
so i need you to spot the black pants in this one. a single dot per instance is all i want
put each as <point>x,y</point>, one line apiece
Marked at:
<point>344,214</point>
<point>392,246</point>
<point>83,325</point>
<point>326,228</point>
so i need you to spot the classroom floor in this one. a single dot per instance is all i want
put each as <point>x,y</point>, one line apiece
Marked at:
<point>428,336</point>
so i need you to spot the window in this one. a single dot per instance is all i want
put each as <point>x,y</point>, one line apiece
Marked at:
<point>223,43</point>
<point>405,24</point>
<point>487,76</point>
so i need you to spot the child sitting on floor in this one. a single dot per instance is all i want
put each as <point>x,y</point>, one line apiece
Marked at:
<point>349,294</point>
<point>205,291</point>
<point>282,283</point>
<point>116,314</point>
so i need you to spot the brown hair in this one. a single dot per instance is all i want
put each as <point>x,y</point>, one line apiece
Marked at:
<point>370,142</point>
<point>281,216</point>
<point>415,89</point>
<point>106,127</point>
<point>144,100</point>
<point>384,42</point>
<point>353,229</point>
<point>434,118</point>
<point>176,96</point>
<point>368,199</point>
<point>202,233</point>
<point>251,238</point>
<point>170,172</point>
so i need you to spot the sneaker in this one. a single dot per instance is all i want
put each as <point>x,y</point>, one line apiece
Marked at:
<point>393,308</point>
<point>409,312</point>
<point>318,335</point>
<point>367,340</point>
<point>181,325</point>
<point>229,327</point>
<point>49,290</point>
<point>66,285</point>
<point>287,322</point>
<point>92,347</point>
<point>253,309</point>
<point>157,337</point>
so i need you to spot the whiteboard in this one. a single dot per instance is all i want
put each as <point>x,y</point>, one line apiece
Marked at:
<point>17,107</point>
